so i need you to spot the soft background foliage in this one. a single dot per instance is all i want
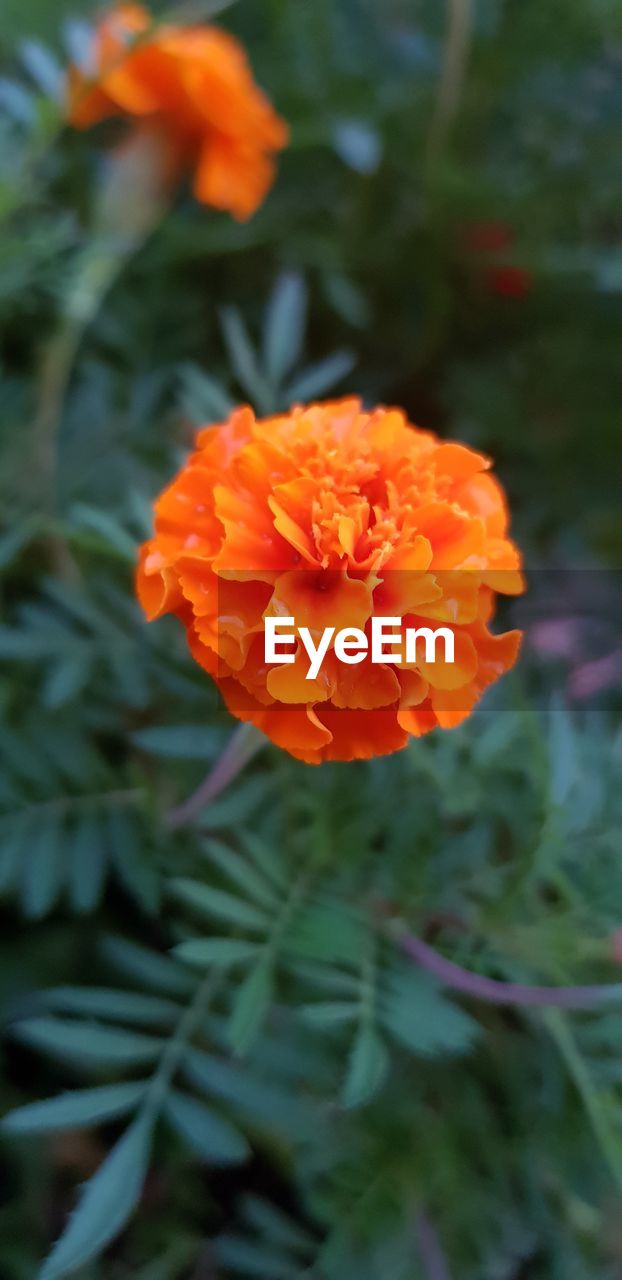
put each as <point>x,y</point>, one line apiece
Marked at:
<point>301,1091</point>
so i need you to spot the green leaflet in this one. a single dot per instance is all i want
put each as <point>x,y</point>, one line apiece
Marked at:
<point>87,863</point>
<point>147,968</point>
<point>284,325</point>
<point>106,1204</point>
<point>318,378</point>
<point>74,1110</point>
<point>242,873</point>
<point>179,741</point>
<point>251,1006</point>
<point>214,1138</point>
<point>329,1013</point>
<point>421,1017</point>
<point>42,869</point>
<point>202,397</point>
<point>119,1006</point>
<point>261,1103</point>
<point>254,1259</point>
<point>89,1044</point>
<point>244,360</point>
<point>275,1225</point>
<point>218,904</point>
<point>367,1067</point>
<point>203,952</point>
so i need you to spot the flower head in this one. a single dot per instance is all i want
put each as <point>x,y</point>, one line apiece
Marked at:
<point>509,281</point>
<point>195,87</point>
<point>333,515</point>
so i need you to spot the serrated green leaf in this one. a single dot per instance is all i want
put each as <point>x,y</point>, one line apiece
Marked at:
<point>17,101</point>
<point>130,859</point>
<point>14,539</point>
<point>66,679</point>
<point>87,862</point>
<point>367,1067</point>
<point>213,1137</point>
<point>87,1043</point>
<point>179,741</point>
<point>251,1006</point>
<point>345,986</point>
<point>78,40</point>
<point>106,1204</point>
<point>319,378</point>
<point>13,838</point>
<point>146,967</point>
<point>188,11</point>
<point>419,1015</point>
<point>216,904</point>
<point>266,857</point>
<point>204,952</point>
<point>274,1225</point>
<point>255,1259</point>
<point>358,145</point>
<point>43,869</point>
<point>132,1007</point>
<point>19,645</point>
<point>327,931</point>
<point>109,529</point>
<point>203,398</point>
<point>244,360</point>
<point>241,873</point>
<point>348,300</point>
<point>263,1104</point>
<point>75,1110</point>
<point>237,805</point>
<point>329,1013</point>
<point>43,67</point>
<point>284,325</point>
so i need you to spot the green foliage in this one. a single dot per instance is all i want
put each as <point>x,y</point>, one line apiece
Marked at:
<point>265,378</point>
<point>192,1014</point>
<point>99,1037</point>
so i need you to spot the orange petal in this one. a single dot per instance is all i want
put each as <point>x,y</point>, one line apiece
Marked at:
<point>292,532</point>
<point>454,536</point>
<point>366,685</point>
<point>441,674</point>
<point>404,591</point>
<point>481,495</point>
<point>458,461</point>
<point>359,735</point>
<point>322,598</point>
<point>417,720</point>
<point>413,688</point>
<point>157,589</point>
<point>288,683</point>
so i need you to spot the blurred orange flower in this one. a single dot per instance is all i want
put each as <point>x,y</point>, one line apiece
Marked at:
<point>194,86</point>
<point>332,514</point>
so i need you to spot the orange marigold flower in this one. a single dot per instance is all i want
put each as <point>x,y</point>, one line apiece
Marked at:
<point>333,515</point>
<point>194,85</point>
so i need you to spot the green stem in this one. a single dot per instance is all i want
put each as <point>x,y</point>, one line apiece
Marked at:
<point>560,1031</point>
<point>189,1022</point>
<point>96,272</point>
<point>291,903</point>
<point>453,74</point>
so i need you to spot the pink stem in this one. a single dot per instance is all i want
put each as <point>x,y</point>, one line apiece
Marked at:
<point>244,743</point>
<point>430,1249</point>
<point>508,993</point>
